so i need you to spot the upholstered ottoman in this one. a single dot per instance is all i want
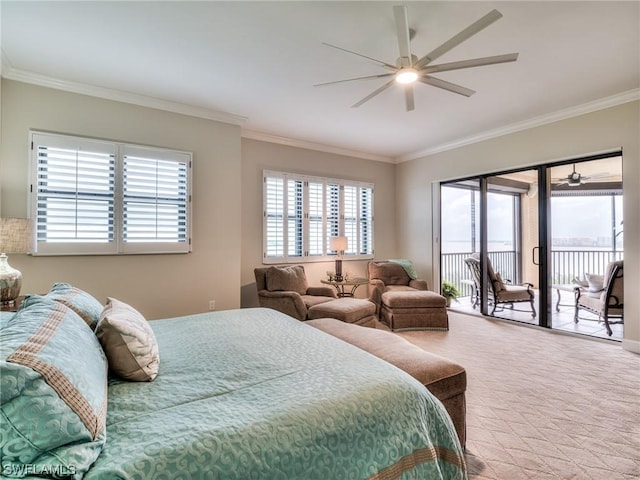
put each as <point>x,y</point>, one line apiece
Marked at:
<point>445,379</point>
<point>349,310</point>
<point>414,310</point>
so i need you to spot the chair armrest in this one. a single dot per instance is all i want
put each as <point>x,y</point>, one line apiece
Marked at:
<point>322,292</point>
<point>286,302</point>
<point>419,284</point>
<point>376,289</point>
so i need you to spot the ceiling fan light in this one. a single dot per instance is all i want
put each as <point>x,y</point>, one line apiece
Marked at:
<point>407,75</point>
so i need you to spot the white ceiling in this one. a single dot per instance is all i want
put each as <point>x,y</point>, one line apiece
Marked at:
<point>255,64</point>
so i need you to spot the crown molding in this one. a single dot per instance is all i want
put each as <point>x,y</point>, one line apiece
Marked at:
<point>119,96</point>
<point>7,71</point>
<point>601,104</point>
<point>292,142</point>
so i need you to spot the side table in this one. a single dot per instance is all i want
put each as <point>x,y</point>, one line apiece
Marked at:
<point>565,288</point>
<point>354,283</point>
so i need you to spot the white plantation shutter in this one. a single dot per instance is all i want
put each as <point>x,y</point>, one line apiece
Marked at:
<point>351,218</point>
<point>99,197</point>
<point>317,209</point>
<point>294,218</point>
<point>333,211</point>
<point>274,217</point>
<point>74,189</point>
<point>365,207</point>
<point>154,199</point>
<point>316,218</point>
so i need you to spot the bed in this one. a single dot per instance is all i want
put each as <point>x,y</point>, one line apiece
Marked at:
<point>255,394</point>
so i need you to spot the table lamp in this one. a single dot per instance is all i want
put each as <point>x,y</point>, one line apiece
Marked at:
<point>339,245</point>
<point>15,237</point>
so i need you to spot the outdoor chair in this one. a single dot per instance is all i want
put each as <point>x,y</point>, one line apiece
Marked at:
<point>501,292</point>
<point>605,299</point>
<point>286,289</point>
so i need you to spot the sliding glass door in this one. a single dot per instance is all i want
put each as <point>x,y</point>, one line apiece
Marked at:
<point>515,243</point>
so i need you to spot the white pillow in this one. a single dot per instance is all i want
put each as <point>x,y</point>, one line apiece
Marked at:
<point>596,282</point>
<point>580,283</point>
<point>128,341</point>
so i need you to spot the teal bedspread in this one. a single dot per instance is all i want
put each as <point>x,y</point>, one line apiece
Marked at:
<point>254,394</point>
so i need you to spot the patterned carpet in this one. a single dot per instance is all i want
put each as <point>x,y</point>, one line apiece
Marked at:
<point>542,405</point>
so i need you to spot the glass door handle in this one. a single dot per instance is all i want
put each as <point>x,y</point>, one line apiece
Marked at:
<point>533,255</point>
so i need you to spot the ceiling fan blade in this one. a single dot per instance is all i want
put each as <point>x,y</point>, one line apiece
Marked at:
<point>475,62</point>
<point>452,87</point>
<point>402,32</point>
<point>382,75</point>
<point>379,62</point>
<point>456,40</point>
<point>408,97</point>
<point>374,93</point>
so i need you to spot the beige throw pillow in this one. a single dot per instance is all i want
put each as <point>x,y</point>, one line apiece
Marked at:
<point>128,341</point>
<point>290,279</point>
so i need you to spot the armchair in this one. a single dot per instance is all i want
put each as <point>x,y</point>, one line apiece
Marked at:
<point>500,292</point>
<point>607,302</point>
<point>286,289</point>
<point>403,301</point>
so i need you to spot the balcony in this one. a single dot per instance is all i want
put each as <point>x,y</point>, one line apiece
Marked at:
<point>566,265</point>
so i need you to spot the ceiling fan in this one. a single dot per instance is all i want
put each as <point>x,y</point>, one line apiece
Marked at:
<point>409,68</point>
<point>575,179</point>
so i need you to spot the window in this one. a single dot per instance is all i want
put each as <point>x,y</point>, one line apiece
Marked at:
<point>97,197</point>
<point>302,213</point>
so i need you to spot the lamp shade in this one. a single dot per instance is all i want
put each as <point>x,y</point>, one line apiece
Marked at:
<point>338,244</point>
<point>15,235</point>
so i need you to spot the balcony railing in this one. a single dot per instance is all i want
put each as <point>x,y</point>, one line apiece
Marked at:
<point>565,266</point>
<point>455,270</point>
<point>569,264</point>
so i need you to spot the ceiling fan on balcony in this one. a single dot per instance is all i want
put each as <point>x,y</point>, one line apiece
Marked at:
<point>409,68</point>
<point>575,179</point>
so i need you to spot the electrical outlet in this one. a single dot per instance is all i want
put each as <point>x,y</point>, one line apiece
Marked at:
<point>212,305</point>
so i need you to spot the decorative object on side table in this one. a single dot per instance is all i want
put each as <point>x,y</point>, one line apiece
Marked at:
<point>15,237</point>
<point>338,245</point>
<point>450,292</point>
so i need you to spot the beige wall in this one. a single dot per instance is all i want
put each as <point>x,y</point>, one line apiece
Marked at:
<point>158,285</point>
<point>595,132</point>
<point>258,156</point>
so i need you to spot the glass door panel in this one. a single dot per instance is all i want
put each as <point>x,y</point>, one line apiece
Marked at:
<point>586,221</point>
<point>460,237</point>
<point>512,246</point>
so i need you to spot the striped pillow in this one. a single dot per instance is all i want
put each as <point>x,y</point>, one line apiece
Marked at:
<point>86,306</point>
<point>53,379</point>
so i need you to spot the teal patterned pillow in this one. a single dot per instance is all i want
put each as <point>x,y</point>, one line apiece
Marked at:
<point>53,392</point>
<point>79,301</point>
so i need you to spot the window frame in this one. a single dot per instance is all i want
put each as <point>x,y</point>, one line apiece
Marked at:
<point>116,244</point>
<point>331,224</point>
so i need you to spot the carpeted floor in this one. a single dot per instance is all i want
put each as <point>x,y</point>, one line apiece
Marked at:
<point>542,405</point>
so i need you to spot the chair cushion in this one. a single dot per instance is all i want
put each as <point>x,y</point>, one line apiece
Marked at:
<point>290,279</point>
<point>514,293</point>
<point>311,300</point>
<point>413,299</point>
